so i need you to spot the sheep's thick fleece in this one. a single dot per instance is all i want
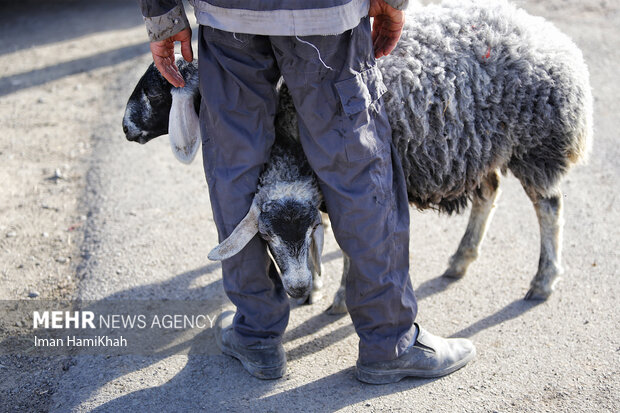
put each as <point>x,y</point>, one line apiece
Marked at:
<point>346,137</point>
<point>165,18</point>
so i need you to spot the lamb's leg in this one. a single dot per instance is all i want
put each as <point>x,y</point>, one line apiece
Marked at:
<point>316,294</point>
<point>481,212</point>
<point>339,305</point>
<point>549,213</point>
<point>316,267</point>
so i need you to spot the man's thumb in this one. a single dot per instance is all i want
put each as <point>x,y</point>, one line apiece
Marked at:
<point>185,37</point>
<point>186,50</point>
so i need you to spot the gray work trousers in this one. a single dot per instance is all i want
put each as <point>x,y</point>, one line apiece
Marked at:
<point>336,88</point>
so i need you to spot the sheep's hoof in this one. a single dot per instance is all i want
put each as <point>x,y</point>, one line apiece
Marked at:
<point>453,273</point>
<point>313,297</point>
<point>537,294</point>
<point>337,309</point>
<point>303,300</point>
<point>542,286</point>
<point>338,306</point>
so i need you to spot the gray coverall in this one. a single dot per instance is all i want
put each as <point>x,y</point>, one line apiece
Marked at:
<point>336,88</point>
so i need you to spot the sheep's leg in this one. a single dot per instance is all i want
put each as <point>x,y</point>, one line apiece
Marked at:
<point>317,284</point>
<point>549,213</point>
<point>316,265</point>
<point>317,280</point>
<point>481,212</point>
<point>339,305</point>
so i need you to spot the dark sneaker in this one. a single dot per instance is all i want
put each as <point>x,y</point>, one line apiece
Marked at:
<point>264,362</point>
<point>429,356</point>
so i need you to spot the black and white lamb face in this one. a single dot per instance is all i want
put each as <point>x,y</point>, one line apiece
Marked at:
<point>289,228</point>
<point>146,114</point>
<point>148,108</point>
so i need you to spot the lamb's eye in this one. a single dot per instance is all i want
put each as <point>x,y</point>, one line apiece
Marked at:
<point>154,96</point>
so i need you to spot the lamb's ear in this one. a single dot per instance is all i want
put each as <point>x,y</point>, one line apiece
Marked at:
<point>242,234</point>
<point>183,126</point>
<point>316,248</point>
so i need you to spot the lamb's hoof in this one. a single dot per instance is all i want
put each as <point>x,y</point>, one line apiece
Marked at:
<point>313,297</point>
<point>303,300</point>
<point>537,294</point>
<point>338,307</point>
<point>453,274</point>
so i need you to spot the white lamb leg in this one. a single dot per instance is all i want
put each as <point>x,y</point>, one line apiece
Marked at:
<point>339,305</point>
<point>316,294</point>
<point>481,213</point>
<point>549,213</point>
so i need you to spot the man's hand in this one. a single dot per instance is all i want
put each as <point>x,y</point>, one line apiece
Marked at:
<point>386,28</point>
<point>163,56</point>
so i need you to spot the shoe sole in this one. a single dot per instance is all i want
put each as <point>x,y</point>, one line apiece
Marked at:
<point>261,372</point>
<point>393,376</point>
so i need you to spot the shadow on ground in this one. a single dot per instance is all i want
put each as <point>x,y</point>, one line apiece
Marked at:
<point>76,18</point>
<point>38,77</point>
<point>207,376</point>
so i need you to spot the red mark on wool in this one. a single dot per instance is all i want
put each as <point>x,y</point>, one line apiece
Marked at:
<point>486,56</point>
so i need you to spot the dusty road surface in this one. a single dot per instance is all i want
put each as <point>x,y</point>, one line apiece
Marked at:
<point>86,215</point>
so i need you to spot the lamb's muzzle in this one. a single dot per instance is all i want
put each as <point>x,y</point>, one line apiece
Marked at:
<point>294,233</point>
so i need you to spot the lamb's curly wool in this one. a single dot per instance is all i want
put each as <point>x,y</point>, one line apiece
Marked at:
<point>476,86</point>
<point>288,175</point>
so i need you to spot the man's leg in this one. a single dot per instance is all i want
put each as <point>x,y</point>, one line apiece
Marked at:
<point>237,82</point>
<point>347,139</point>
<point>345,133</point>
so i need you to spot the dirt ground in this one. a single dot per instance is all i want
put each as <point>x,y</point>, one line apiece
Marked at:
<point>86,215</point>
<point>59,58</point>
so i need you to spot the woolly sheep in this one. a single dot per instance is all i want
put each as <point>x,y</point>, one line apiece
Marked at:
<point>476,89</point>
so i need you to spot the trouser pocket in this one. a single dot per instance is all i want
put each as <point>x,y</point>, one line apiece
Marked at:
<point>361,101</point>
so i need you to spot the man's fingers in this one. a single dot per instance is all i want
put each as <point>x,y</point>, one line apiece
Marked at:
<point>163,48</point>
<point>388,43</point>
<point>376,46</point>
<point>163,57</point>
<point>380,49</point>
<point>387,27</point>
<point>185,37</point>
<point>186,50</point>
<point>385,40</point>
<point>375,30</point>
<point>169,70</point>
<point>172,74</point>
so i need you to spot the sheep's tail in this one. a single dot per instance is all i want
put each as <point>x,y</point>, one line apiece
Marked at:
<point>579,151</point>
<point>580,146</point>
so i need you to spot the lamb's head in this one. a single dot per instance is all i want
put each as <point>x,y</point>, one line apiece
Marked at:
<point>156,108</point>
<point>148,107</point>
<point>294,234</point>
<point>293,231</point>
